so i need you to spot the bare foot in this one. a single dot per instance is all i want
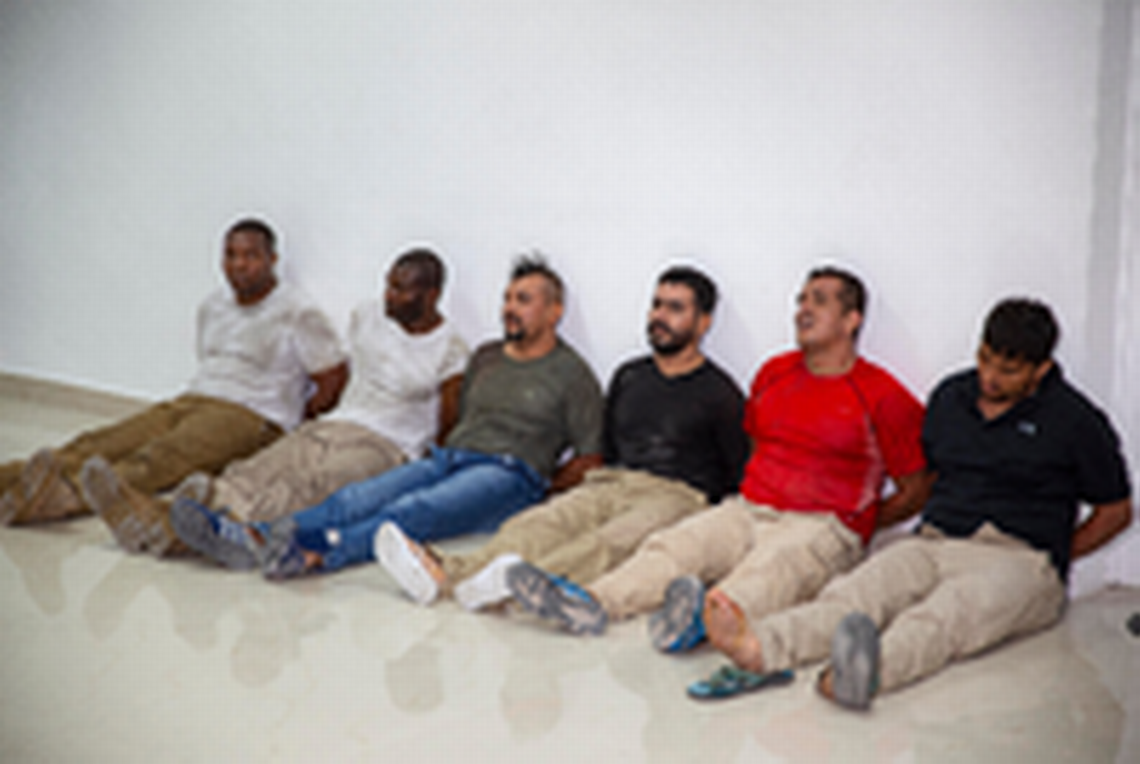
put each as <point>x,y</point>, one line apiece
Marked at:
<point>729,632</point>
<point>429,561</point>
<point>824,685</point>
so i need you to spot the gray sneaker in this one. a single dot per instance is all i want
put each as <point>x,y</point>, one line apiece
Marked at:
<point>855,662</point>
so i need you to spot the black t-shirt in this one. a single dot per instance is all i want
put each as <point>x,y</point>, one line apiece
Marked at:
<point>1025,471</point>
<point>688,427</point>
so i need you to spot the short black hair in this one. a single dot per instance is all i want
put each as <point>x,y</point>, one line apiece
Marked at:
<point>852,293</point>
<point>257,226</point>
<point>1021,328</point>
<point>704,290</point>
<point>535,264</point>
<point>428,268</point>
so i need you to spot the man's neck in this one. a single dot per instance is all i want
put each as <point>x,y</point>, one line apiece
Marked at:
<point>830,361</point>
<point>423,324</point>
<point>523,350</point>
<point>680,363</point>
<point>252,298</point>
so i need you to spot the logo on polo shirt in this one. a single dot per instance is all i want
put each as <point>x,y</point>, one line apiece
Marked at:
<point>1027,428</point>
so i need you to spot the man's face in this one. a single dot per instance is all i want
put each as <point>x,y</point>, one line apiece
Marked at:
<point>821,319</point>
<point>248,264</point>
<point>405,299</point>
<point>528,311</point>
<point>1002,379</point>
<point>674,321</point>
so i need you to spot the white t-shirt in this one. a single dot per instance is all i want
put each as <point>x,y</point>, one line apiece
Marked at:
<point>261,355</point>
<point>393,387</point>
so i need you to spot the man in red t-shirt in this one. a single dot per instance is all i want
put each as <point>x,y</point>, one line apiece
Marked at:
<point>827,429</point>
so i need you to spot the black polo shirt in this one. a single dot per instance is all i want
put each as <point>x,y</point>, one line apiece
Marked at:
<point>1025,471</point>
<point>689,427</point>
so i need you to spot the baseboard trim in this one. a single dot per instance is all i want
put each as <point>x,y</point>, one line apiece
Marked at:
<point>64,395</point>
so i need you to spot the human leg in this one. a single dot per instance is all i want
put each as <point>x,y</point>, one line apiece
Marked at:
<point>206,434</point>
<point>707,545</point>
<point>302,469</point>
<point>362,500</point>
<point>987,593</point>
<point>792,558</point>
<point>883,586</point>
<point>472,495</point>
<point>47,487</point>
<point>645,505</point>
<point>542,529</point>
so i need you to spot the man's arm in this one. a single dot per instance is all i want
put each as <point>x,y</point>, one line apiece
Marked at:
<point>911,492</point>
<point>571,473</point>
<point>328,386</point>
<point>1106,521</point>
<point>449,392</point>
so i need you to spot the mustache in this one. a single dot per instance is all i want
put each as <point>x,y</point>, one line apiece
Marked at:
<point>658,325</point>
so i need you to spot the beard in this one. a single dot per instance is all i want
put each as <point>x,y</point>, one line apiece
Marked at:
<point>406,313</point>
<point>513,330</point>
<point>665,341</point>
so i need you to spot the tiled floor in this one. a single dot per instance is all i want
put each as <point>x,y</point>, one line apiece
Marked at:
<point>113,658</point>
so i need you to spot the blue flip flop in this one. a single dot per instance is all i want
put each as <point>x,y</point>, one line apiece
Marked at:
<point>730,681</point>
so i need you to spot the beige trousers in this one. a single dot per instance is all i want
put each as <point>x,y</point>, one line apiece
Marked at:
<point>154,449</point>
<point>586,531</point>
<point>936,599</point>
<point>302,469</point>
<point>764,559</point>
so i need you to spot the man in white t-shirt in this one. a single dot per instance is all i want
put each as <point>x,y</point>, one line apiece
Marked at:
<point>407,364</point>
<point>267,357</point>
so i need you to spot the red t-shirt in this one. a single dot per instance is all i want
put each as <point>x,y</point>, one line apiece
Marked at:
<point>825,444</point>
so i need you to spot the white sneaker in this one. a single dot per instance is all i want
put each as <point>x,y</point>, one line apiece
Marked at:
<point>394,552</point>
<point>488,586</point>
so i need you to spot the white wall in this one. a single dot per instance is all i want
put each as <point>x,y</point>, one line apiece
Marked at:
<point>945,149</point>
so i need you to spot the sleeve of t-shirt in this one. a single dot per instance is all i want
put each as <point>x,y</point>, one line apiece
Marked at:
<point>454,357</point>
<point>897,416</point>
<point>1102,475</point>
<point>316,341</point>
<point>585,413</point>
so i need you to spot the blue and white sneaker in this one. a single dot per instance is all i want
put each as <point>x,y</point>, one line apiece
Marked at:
<point>222,539</point>
<point>855,662</point>
<point>678,625</point>
<point>556,599</point>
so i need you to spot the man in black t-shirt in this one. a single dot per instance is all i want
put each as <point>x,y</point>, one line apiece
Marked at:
<point>1015,449</point>
<point>673,441</point>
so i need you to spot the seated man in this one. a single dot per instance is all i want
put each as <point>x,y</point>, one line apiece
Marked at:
<point>261,346</point>
<point>407,365</point>
<point>1014,448</point>
<point>525,401</point>
<point>673,440</point>
<point>827,428</point>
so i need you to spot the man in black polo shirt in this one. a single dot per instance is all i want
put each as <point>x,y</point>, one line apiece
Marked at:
<point>1015,449</point>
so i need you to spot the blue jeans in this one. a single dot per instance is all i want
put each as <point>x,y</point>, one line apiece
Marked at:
<point>448,493</point>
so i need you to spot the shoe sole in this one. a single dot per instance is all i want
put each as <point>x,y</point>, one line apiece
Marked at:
<point>41,496</point>
<point>855,661</point>
<point>488,586</point>
<point>392,552</point>
<point>536,592</point>
<point>198,533</point>
<point>671,626</point>
<point>134,533</point>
